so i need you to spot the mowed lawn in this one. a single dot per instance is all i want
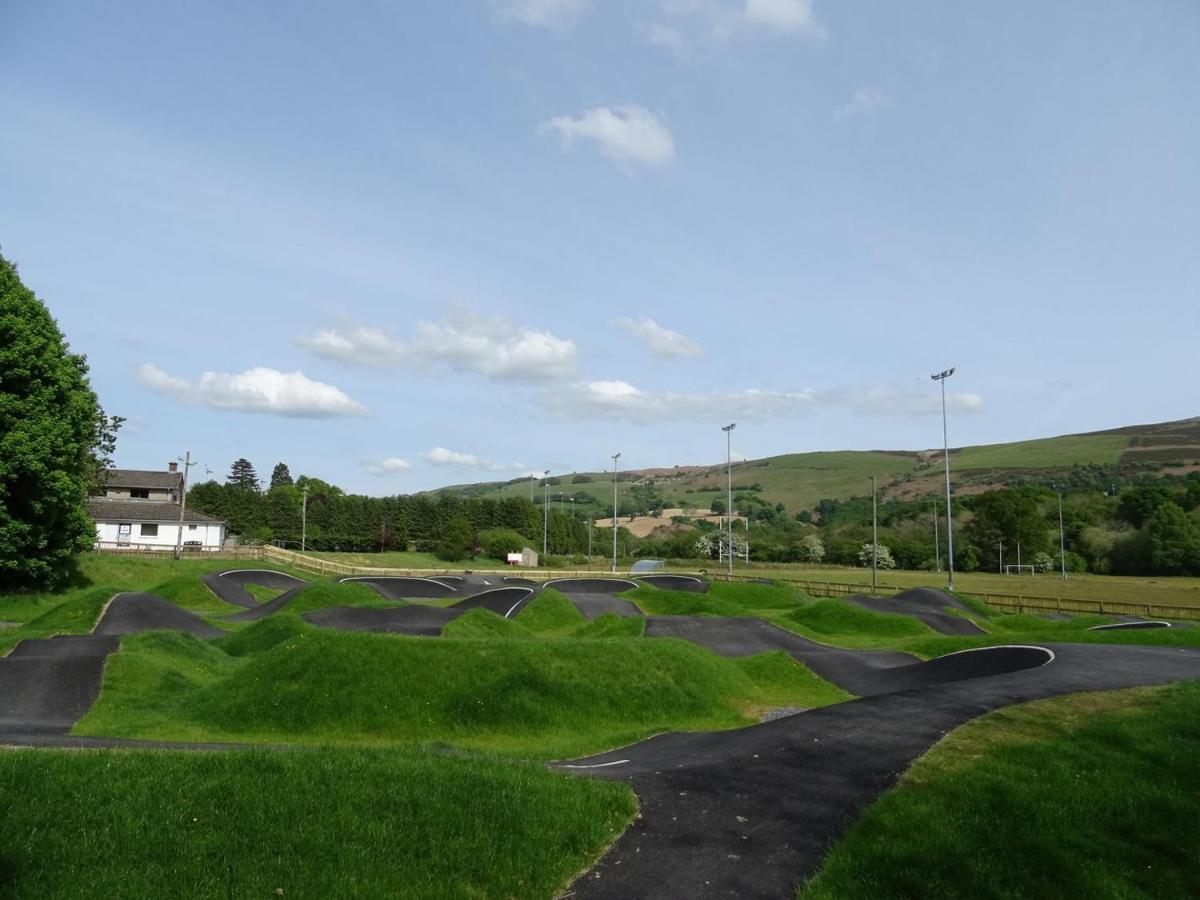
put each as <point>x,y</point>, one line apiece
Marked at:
<point>1092,795</point>
<point>304,824</point>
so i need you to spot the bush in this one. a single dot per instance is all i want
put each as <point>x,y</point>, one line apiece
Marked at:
<point>497,543</point>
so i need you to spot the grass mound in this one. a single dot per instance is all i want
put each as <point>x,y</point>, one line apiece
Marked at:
<point>1094,794</point>
<point>547,698</point>
<point>328,823</point>
<point>610,626</point>
<point>721,599</point>
<point>550,612</point>
<point>483,624</point>
<point>263,634</point>
<point>839,619</point>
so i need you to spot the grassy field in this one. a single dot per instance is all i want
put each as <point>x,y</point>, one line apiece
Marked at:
<point>548,685</point>
<point>325,823</point>
<point>1085,796</point>
<point>1077,449</point>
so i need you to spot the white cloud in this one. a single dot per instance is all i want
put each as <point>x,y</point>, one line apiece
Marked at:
<point>628,135</point>
<point>684,22</point>
<point>496,348</point>
<point>546,13</point>
<point>662,341</point>
<point>388,466</point>
<point>621,400</point>
<point>263,390</point>
<point>864,101</point>
<point>454,459</point>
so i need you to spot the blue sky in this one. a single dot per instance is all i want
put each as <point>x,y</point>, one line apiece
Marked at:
<point>405,245</point>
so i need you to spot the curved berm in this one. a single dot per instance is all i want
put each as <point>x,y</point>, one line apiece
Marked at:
<point>231,586</point>
<point>591,585</point>
<point>924,604</point>
<point>405,588</point>
<point>132,613</point>
<point>518,580</point>
<point>675,583</point>
<point>415,619</point>
<point>269,608</point>
<point>1124,626</point>
<point>505,601</point>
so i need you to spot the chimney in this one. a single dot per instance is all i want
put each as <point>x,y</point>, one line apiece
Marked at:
<point>172,467</point>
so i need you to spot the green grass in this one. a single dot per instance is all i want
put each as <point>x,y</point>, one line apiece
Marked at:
<point>551,613</point>
<point>403,559</point>
<point>281,680</point>
<point>1069,450</point>
<point>842,623</point>
<point>1084,796</point>
<point>318,824</point>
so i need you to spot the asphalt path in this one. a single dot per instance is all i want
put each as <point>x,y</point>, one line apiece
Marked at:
<point>230,586</point>
<point>408,588</point>
<point>675,583</point>
<point>925,604</point>
<point>751,813</point>
<point>47,684</point>
<point>505,601</point>
<point>416,619</point>
<point>594,597</point>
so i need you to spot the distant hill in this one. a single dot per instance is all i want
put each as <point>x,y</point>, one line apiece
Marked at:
<point>800,480</point>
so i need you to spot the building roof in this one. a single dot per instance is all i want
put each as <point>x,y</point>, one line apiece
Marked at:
<point>142,478</point>
<point>105,510</point>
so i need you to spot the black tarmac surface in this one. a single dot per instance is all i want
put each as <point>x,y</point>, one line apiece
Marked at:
<point>1123,626</point>
<point>594,596</point>
<point>503,601</point>
<point>416,619</point>
<point>231,586</point>
<point>927,605</point>
<point>675,583</point>
<point>751,813</point>
<point>400,589</point>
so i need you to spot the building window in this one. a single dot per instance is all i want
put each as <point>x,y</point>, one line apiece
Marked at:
<point>149,529</point>
<point>191,528</point>
<point>139,493</point>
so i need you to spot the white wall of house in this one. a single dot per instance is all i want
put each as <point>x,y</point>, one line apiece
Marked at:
<point>159,534</point>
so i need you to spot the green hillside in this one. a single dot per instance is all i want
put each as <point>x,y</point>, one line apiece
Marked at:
<point>800,480</point>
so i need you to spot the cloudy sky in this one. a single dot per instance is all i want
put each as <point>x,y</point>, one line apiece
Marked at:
<point>399,245</point>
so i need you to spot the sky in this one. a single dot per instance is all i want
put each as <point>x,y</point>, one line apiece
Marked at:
<point>402,245</point>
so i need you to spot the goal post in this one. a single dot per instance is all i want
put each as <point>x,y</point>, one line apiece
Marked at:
<point>1008,570</point>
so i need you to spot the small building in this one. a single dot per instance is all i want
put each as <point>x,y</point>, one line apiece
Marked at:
<point>527,558</point>
<point>140,510</point>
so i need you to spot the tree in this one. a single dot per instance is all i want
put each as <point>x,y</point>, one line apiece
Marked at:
<point>883,560</point>
<point>811,549</point>
<point>456,539</point>
<point>1174,541</point>
<point>243,476</point>
<point>1009,516</point>
<point>280,476</point>
<point>718,506</point>
<point>53,437</point>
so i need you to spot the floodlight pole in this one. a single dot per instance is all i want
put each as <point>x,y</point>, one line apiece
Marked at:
<point>941,378</point>
<point>616,456</point>
<point>546,514</point>
<point>728,429</point>
<point>1002,557</point>
<point>304,518</point>
<point>937,545</point>
<point>874,540</point>
<point>1062,538</point>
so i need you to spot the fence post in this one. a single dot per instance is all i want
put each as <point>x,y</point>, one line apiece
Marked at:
<point>1101,607</point>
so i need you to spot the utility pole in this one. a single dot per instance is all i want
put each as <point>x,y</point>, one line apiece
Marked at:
<point>728,429</point>
<point>941,378</point>
<point>1002,556</point>
<point>304,519</point>
<point>616,456</point>
<point>747,540</point>
<point>591,525</point>
<point>187,464</point>
<point>874,540</point>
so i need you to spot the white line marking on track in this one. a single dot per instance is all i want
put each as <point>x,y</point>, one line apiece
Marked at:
<point>1050,654</point>
<point>619,762</point>
<point>395,578</point>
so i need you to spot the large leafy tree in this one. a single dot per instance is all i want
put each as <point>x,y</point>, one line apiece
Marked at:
<point>53,438</point>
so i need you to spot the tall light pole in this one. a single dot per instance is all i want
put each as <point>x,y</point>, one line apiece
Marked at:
<point>1062,539</point>
<point>728,429</point>
<point>304,519</point>
<point>941,378</point>
<point>616,456</point>
<point>546,513</point>
<point>874,540</point>
<point>937,546</point>
<point>187,464</point>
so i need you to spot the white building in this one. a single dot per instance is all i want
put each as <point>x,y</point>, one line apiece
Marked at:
<point>140,510</point>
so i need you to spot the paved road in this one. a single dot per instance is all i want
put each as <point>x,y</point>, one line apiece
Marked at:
<point>230,586</point>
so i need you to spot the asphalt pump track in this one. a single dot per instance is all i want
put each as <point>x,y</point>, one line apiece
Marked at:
<point>743,813</point>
